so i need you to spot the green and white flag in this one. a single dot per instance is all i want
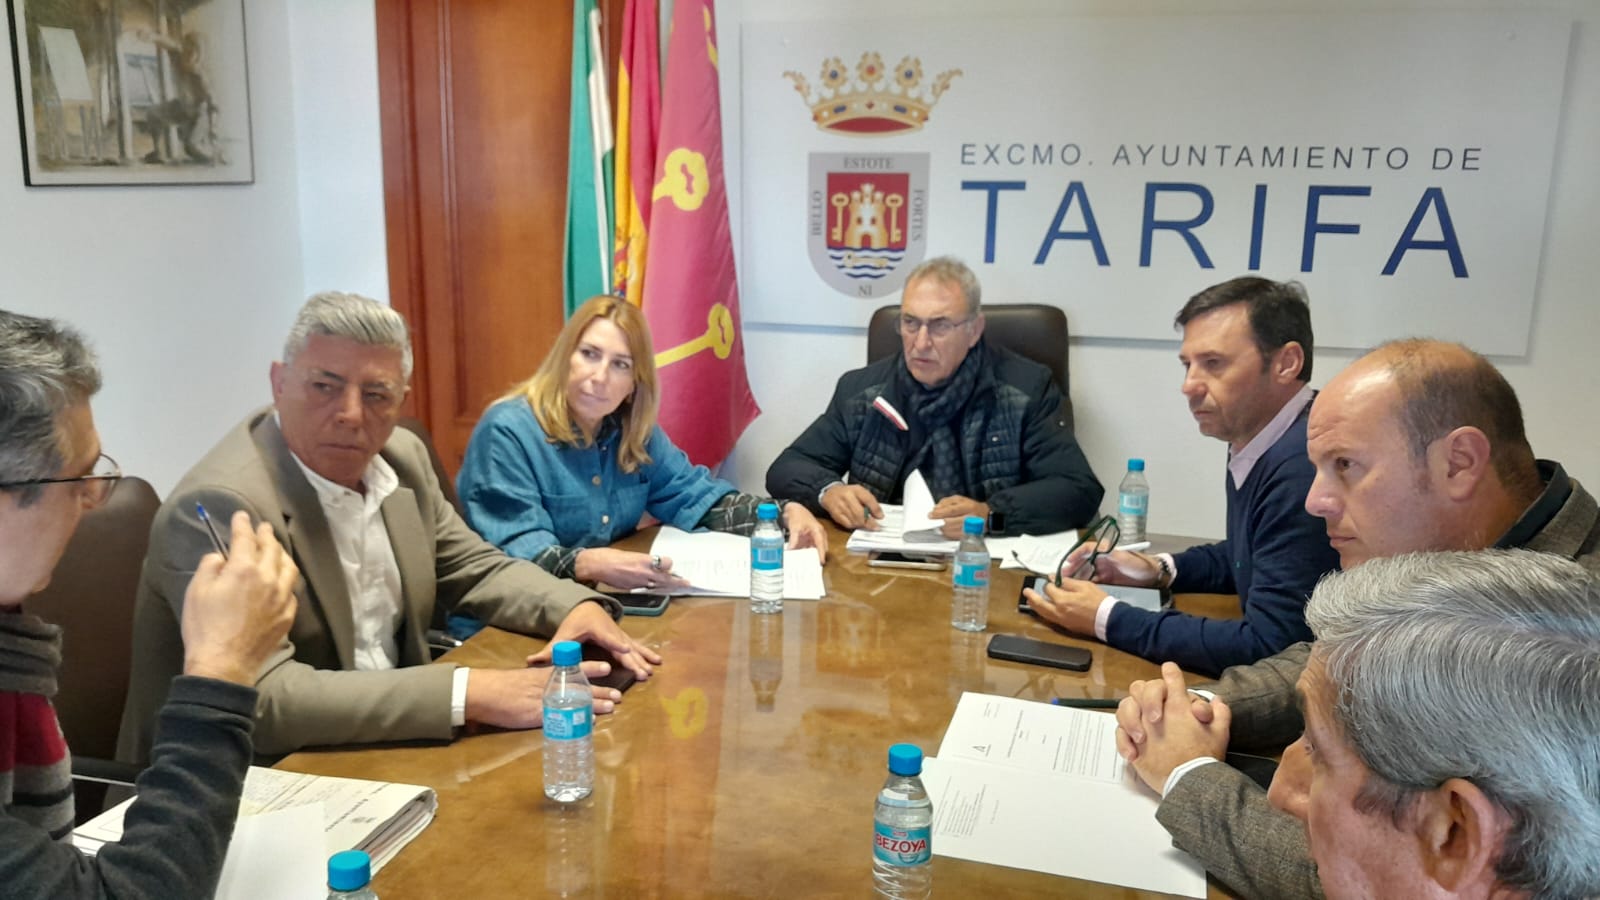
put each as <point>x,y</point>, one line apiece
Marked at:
<point>586,270</point>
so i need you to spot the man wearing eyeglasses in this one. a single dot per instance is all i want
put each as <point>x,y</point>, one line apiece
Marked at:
<point>1246,354</point>
<point>52,471</point>
<point>357,503</point>
<point>989,430</point>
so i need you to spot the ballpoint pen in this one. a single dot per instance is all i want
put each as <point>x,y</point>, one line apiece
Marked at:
<point>1087,702</point>
<point>216,539</point>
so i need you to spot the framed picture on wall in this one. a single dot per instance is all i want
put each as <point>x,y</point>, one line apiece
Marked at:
<point>132,91</point>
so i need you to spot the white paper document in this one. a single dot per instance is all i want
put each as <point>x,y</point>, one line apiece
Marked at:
<point>889,535</point>
<point>376,816</point>
<point>1041,553</point>
<point>1041,787</point>
<point>277,855</point>
<point>717,564</point>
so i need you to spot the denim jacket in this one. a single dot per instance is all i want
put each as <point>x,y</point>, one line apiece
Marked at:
<point>528,495</point>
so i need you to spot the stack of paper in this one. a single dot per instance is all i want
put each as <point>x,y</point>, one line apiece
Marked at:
<point>374,816</point>
<point>717,564</point>
<point>1041,787</point>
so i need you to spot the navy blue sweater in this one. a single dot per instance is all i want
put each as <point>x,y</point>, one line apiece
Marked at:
<point>1274,553</point>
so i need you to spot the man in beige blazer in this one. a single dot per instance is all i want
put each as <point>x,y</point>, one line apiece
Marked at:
<point>357,504</point>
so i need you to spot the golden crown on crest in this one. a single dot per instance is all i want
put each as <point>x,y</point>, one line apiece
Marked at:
<point>877,101</point>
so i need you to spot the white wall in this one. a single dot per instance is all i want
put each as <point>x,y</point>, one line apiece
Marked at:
<point>1126,392</point>
<point>186,292</point>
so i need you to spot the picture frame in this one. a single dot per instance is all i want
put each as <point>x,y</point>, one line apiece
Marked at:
<point>132,92</point>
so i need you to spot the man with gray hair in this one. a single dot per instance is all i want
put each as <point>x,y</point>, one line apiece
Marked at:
<point>1452,703</point>
<point>52,471</point>
<point>989,430</point>
<point>358,505</point>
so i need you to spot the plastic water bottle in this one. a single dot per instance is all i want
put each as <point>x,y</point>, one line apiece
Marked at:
<point>902,846</point>
<point>1133,503</point>
<point>350,876</point>
<point>568,728</point>
<point>970,611</point>
<point>766,561</point>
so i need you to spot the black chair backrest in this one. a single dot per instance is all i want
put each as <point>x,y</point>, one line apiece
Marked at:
<point>446,483</point>
<point>1032,330</point>
<point>91,596</point>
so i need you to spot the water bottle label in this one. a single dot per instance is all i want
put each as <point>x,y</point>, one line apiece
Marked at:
<point>568,724</point>
<point>903,846</point>
<point>1133,504</point>
<point>972,576</point>
<point>766,558</point>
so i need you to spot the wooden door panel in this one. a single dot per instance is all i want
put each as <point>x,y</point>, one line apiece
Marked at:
<point>474,100</point>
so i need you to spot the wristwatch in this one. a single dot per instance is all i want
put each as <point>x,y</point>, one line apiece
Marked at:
<point>997,521</point>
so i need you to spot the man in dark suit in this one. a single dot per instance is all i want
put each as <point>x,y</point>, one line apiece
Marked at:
<point>988,429</point>
<point>1246,353</point>
<point>357,504</point>
<point>1419,445</point>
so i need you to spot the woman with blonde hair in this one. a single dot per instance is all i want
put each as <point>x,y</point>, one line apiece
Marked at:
<point>570,460</point>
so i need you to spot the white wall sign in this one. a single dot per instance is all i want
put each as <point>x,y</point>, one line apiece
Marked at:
<point>1398,165</point>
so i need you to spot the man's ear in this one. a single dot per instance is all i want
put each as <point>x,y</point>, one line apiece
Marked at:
<point>1460,834</point>
<point>977,331</point>
<point>277,374</point>
<point>1459,461</point>
<point>1287,361</point>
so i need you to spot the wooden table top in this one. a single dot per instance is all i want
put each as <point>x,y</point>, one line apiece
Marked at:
<point>747,766</point>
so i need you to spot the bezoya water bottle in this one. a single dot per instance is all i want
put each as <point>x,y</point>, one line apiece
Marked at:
<point>1133,503</point>
<point>766,561</point>
<point>969,611</point>
<point>902,846</point>
<point>568,728</point>
<point>350,876</point>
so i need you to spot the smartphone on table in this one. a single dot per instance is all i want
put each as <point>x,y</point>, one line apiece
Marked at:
<point>640,604</point>
<point>1017,648</point>
<point>889,559</point>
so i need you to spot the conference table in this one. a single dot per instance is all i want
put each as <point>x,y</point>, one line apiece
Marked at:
<point>748,764</point>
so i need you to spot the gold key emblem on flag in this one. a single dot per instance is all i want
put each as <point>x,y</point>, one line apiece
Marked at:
<point>718,338</point>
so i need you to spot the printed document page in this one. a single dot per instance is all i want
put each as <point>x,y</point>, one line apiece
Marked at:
<point>717,564</point>
<point>376,816</point>
<point>1041,787</point>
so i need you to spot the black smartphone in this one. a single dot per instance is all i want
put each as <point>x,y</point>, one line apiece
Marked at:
<point>1036,582</point>
<point>641,604</point>
<point>620,677</point>
<point>1040,653</point>
<point>892,560</point>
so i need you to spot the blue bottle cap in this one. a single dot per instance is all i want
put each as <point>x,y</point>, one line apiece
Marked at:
<point>973,525</point>
<point>567,653</point>
<point>1136,465</point>
<point>905,759</point>
<point>349,870</point>
<point>766,511</point>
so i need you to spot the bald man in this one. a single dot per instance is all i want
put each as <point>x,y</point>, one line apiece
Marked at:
<point>1419,445</point>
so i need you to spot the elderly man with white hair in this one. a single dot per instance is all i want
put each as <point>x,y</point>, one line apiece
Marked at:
<point>1452,707</point>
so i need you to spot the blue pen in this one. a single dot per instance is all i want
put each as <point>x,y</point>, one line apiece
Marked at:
<point>216,539</point>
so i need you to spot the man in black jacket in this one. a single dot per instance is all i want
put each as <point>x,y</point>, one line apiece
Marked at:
<point>988,429</point>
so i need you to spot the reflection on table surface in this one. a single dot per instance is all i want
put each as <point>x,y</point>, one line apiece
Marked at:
<point>747,766</point>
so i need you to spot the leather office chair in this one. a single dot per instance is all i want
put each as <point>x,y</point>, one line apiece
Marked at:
<point>91,596</point>
<point>446,482</point>
<point>439,639</point>
<point>1032,330</point>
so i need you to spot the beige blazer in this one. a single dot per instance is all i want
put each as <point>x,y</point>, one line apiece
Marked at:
<point>309,693</point>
